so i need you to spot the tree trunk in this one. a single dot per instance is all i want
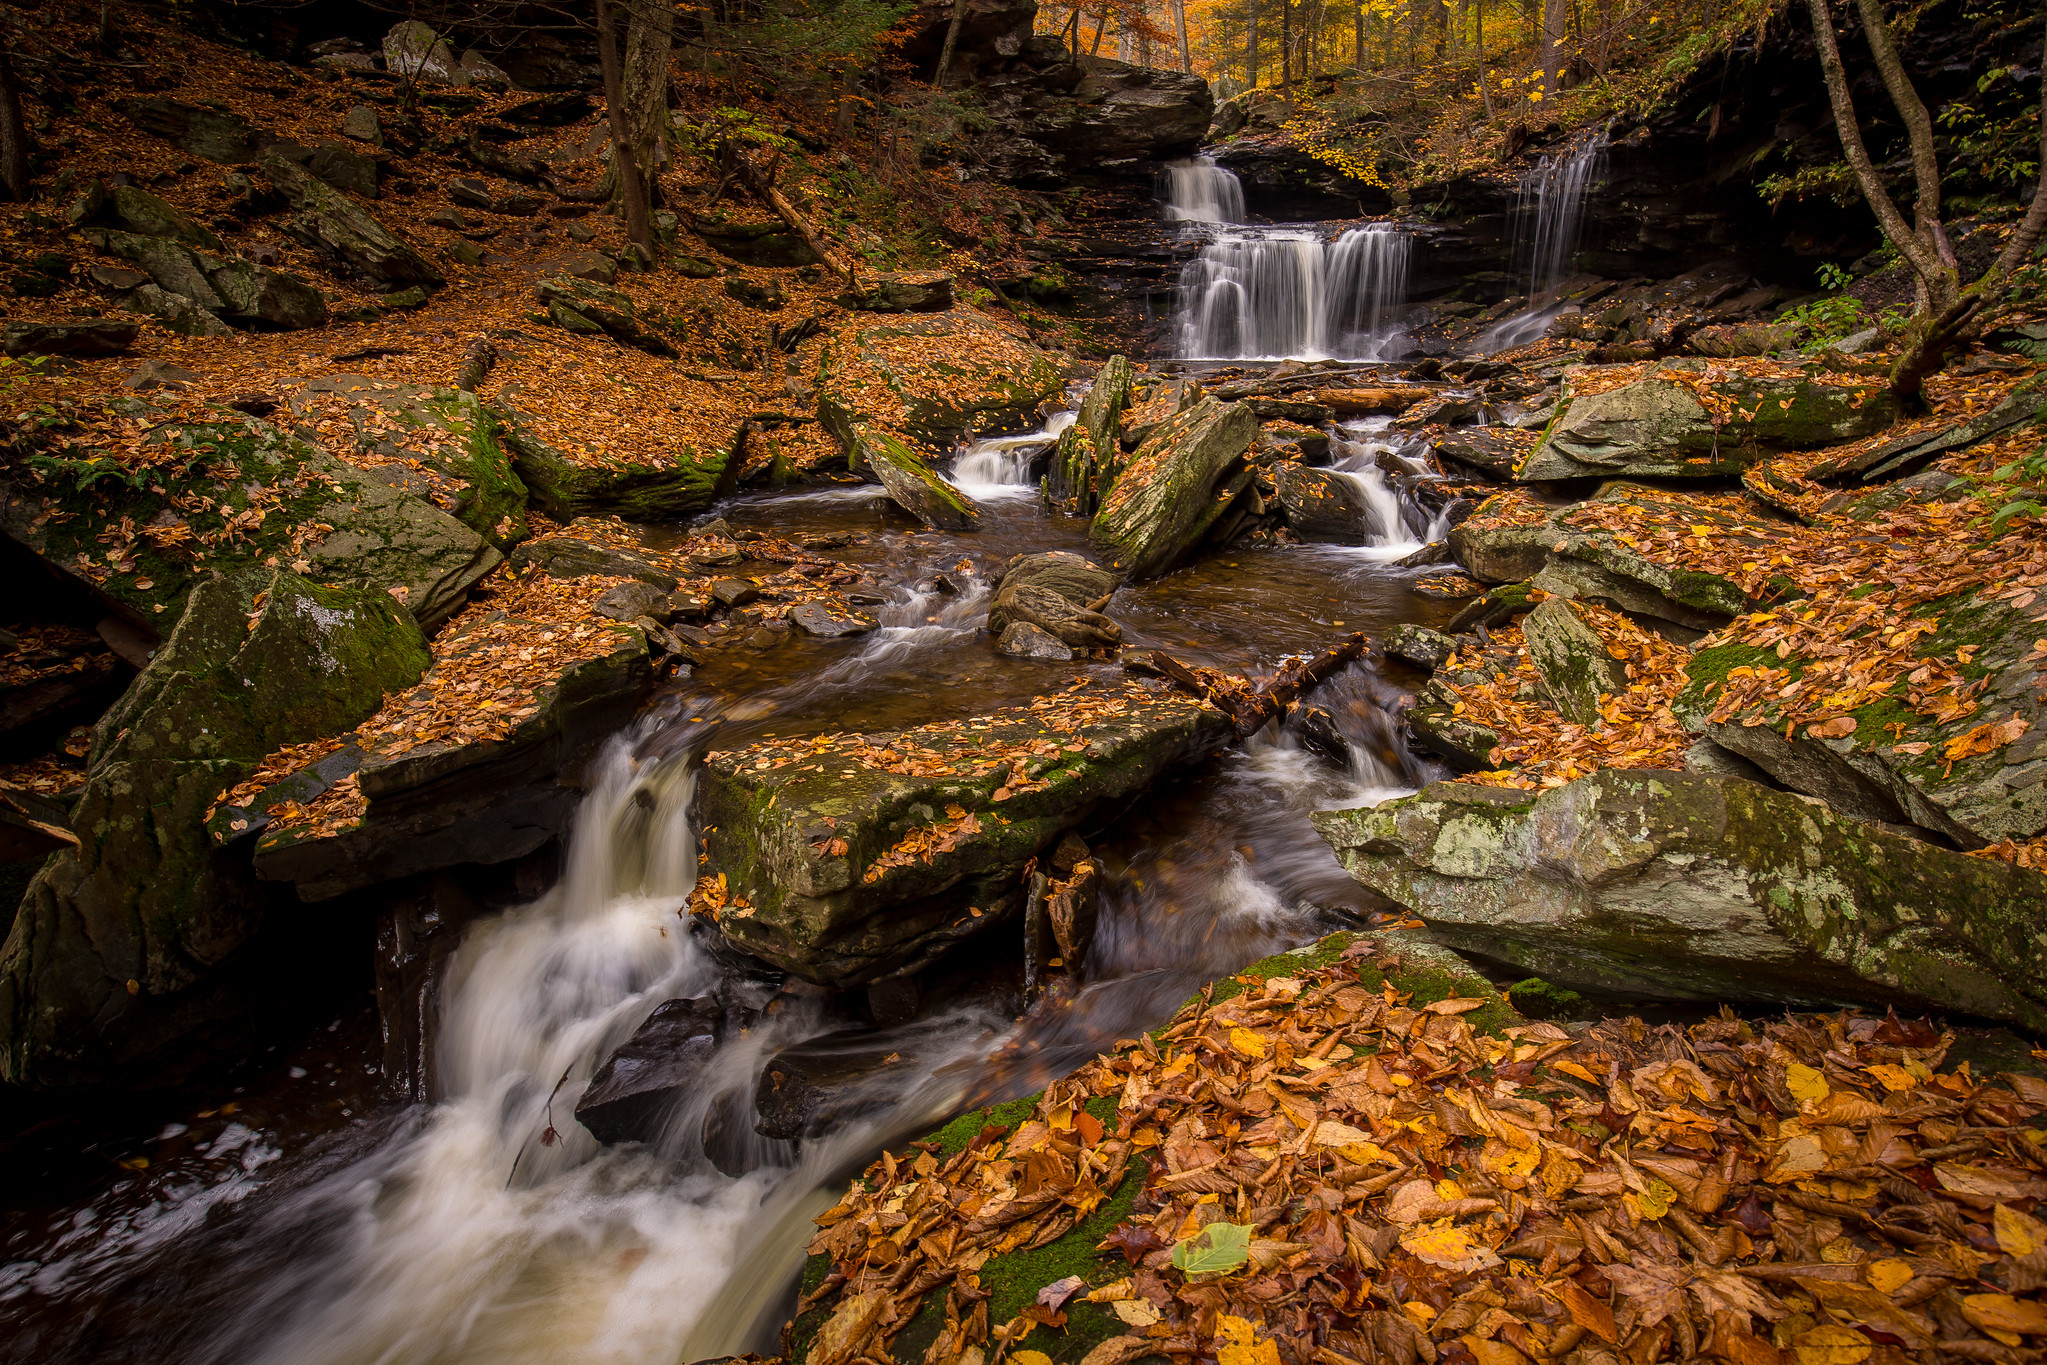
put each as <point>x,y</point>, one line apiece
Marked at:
<point>1286,53</point>
<point>1359,51</point>
<point>1251,48</point>
<point>952,40</point>
<point>650,39</point>
<point>1180,24</point>
<point>1101,27</point>
<point>13,132</point>
<point>1485,89</point>
<point>1925,162</point>
<point>1550,47</point>
<point>632,185</point>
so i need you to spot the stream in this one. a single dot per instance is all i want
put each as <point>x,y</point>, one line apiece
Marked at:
<point>311,1219</point>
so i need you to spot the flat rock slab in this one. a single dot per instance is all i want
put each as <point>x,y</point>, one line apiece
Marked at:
<point>1697,887</point>
<point>842,859</point>
<point>931,377</point>
<point>1175,487</point>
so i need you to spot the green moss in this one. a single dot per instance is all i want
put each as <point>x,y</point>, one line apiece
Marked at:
<point>1539,999</point>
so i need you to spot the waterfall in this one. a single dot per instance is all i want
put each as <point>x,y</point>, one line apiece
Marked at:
<point>1395,525</point>
<point>1199,191</point>
<point>1001,466</point>
<point>1285,292</point>
<point>1549,220</point>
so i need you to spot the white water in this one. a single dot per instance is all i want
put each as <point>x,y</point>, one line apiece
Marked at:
<point>1276,293</point>
<point>1390,520</point>
<point>1000,466</point>
<point>1199,191</point>
<point>1549,221</point>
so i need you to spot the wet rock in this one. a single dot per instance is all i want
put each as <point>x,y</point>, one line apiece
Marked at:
<point>579,305</point>
<point>918,291</point>
<point>654,1073</point>
<point>1419,645</point>
<point>566,487</point>
<point>630,600</point>
<point>1088,453</point>
<point>1573,668</point>
<point>130,944</point>
<point>913,484</point>
<point>1023,640</point>
<point>567,556</point>
<point>1657,427</point>
<point>1434,724</point>
<point>345,168</point>
<point>1485,450</point>
<point>211,134</point>
<point>1175,488</point>
<point>143,213</point>
<point>1497,606</point>
<point>1054,115</point>
<point>99,336</point>
<point>820,619</point>
<point>822,1084</point>
<point>1904,777</point>
<point>930,377</point>
<point>1318,502</point>
<point>764,295</point>
<point>331,223</point>
<point>1048,613</point>
<point>735,592</point>
<point>870,860</point>
<point>1684,886</point>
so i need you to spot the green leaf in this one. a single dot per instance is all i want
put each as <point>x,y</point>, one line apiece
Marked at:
<point>1215,1250</point>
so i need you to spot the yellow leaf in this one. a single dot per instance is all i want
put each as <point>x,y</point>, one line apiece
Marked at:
<point>1655,1198</point>
<point>1247,1043</point>
<point>1887,1275</point>
<point>1030,1358</point>
<point>1830,1346</point>
<point>1806,1084</point>
<point>1135,1312</point>
<point>2003,1313</point>
<point>2018,1234</point>
<point>1573,1069</point>
<point>1238,1344</point>
<point>1893,1077</point>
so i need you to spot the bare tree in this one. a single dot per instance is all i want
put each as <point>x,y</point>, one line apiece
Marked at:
<point>1180,25</point>
<point>1948,312</point>
<point>952,40</point>
<point>1251,47</point>
<point>13,129</point>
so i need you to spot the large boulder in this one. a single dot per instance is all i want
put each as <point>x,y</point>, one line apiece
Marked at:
<point>95,336</point>
<point>913,484</point>
<point>208,132</point>
<point>1088,452</point>
<point>589,308</point>
<point>1318,503</point>
<point>1054,115</point>
<point>1694,887</point>
<point>1690,419</point>
<point>654,1073</point>
<point>1573,667</point>
<point>566,484</point>
<point>1058,593</point>
<point>1175,488</point>
<point>1895,763</point>
<point>413,51</point>
<point>132,942</point>
<point>328,221</point>
<point>843,858</point>
<point>223,285</point>
<point>931,377</point>
<point>142,212</point>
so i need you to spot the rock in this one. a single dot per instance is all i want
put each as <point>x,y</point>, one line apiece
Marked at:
<point>1684,886</point>
<point>1319,502</point>
<point>550,111</point>
<point>178,313</point>
<point>1023,640</point>
<point>1911,453</point>
<point>457,801</point>
<point>1489,451</point>
<point>1089,453</point>
<point>654,1073</point>
<point>566,555</point>
<point>1175,487</point>
<point>919,291</point>
<point>1493,546</point>
<point>820,619</point>
<point>1873,772</point>
<point>117,278</point>
<point>931,377</point>
<point>581,306</point>
<point>413,51</point>
<point>1053,115</point>
<point>1656,427</point>
<point>913,484</point>
<point>592,266</point>
<point>97,336</point>
<point>1573,667</point>
<point>260,659</point>
<point>464,253</point>
<point>566,487</point>
<point>382,540</point>
<point>1744,338</point>
<point>630,600</point>
<point>1435,725</point>
<point>210,134</point>
<point>361,123</point>
<point>757,242</point>
<point>1495,606</point>
<point>329,222</point>
<point>817,1086</point>
<point>90,205</point>
<point>344,168</point>
<point>894,877</point>
<point>1419,645</point>
<point>483,73</point>
<point>767,296</point>
<point>160,374</point>
<point>150,216</point>
<point>1080,581</point>
<point>1053,613</point>
<point>734,592</point>
<point>467,189</point>
<point>690,267</point>
<point>1704,756</point>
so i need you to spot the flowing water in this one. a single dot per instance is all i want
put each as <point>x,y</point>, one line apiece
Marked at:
<point>1548,223</point>
<point>321,1222</point>
<point>1271,293</point>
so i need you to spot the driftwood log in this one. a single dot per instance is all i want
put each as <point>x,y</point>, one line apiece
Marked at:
<point>1392,398</point>
<point>763,185</point>
<point>1250,706</point>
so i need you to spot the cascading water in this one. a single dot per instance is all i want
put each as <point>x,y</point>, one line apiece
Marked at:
<point>1199,191</point>
<point>1395,526</point>
<point>1002,466</point>
<point>1286,292</point>
<point>1549,221</point>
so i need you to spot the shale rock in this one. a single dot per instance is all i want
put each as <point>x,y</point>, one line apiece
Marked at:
<point>179,313</point>
<point>1420,646</point>
<point>330,222</point>
<point>1684,886</point>
<point>259,660</point>
<point>583,306</point>
<point>143,213</point>
<point>100,336</point>
<point>210,134</point>
<point>1175,488</point>
<point>222,285</point>
<point>1318,502</point>
<point>1573,667</point>
<point>913,484</point>
<point>1089,453</point>
<point>853,861</point>
<point>931,377</point>
<point>566,487</point>
<point>1023,640</point>
<point>654,1073</point>
<point>917,291</point>
<point>1054,115</point>
<point>821,620</point>
<point>1658,427</point>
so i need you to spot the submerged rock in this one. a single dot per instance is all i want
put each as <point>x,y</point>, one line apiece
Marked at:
<point>842,860</point>
<point>1687,419</point>
<point>654,1072</point>
<point>1175,488</point>
<point>130,944</point>
<point>1692,887</point>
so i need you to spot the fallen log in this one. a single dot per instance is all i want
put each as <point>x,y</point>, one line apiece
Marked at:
<point>1393,398</point>
<point>1249,707</point>
<point>764,186</point>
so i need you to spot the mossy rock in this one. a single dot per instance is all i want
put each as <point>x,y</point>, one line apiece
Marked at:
<point>911,483</point>
<point>931,377</point>
<point>566,486</point>
<point>1175,488</point>
<point>1088,451</point>
<point>276,501</point>
<point>260,660</point>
